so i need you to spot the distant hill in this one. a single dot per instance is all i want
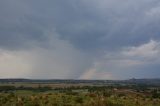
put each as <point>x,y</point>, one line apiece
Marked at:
<point>130,81</point>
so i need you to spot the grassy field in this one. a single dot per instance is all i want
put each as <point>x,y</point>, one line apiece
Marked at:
<point>30,98</point>
<point>50,94</point>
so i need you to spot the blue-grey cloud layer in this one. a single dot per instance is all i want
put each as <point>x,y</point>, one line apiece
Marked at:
<point>90,27</point>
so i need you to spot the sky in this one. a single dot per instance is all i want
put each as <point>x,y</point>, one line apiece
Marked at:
<point>80,39</point>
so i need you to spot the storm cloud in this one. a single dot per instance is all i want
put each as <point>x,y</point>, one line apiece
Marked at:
<point>86,39</point>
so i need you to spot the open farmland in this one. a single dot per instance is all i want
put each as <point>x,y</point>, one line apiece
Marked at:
<point>78,93</point>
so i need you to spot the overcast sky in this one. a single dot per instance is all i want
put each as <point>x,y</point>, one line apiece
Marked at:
<point>80,39</point>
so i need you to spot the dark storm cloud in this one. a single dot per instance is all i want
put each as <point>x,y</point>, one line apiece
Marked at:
<point>88,25</point>
<point>17,28</point>
<point>89,28</point>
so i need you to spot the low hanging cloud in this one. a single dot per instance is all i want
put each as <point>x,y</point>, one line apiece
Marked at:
<point>84,39</point>
<point>14,64</point>
<point>127,61</point>
<point>58,60</point>
<point>146,51</point>
<point>62,61</point>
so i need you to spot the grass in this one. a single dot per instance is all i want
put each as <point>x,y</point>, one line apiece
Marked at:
<point>40,95</point>
<point>30,98</point>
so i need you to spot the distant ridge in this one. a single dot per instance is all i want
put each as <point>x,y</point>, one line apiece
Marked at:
<point>154,81</point>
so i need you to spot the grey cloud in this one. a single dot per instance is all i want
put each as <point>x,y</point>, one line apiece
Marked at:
<point>89,27</point>
<point>136,61</point>
<point>100,24</point>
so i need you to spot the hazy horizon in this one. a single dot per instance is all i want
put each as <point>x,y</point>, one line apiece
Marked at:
<point>80,39</point>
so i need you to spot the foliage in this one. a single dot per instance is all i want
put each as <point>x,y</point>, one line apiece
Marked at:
<point>79,96</point>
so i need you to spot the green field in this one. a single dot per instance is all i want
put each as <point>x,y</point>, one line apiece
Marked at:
<point>76,95</point>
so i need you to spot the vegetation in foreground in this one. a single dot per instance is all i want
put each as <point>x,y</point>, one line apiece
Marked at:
<point>111,95</point>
